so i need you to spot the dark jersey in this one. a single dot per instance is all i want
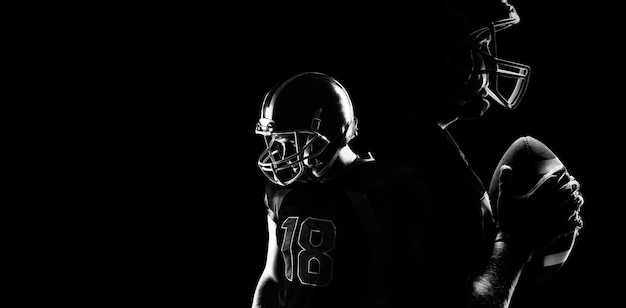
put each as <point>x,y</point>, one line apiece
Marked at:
<point>412,231</point>
<point>441,240</point>
<point>326,234</point>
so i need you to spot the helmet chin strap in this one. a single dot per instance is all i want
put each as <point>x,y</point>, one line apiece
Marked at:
<point>343,152</point>
<point>342,158</point>
<point>321,173</point>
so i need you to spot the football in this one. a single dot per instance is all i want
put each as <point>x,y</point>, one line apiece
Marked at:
<point>530,159</point>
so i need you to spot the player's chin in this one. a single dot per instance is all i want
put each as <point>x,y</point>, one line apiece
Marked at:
<point>475,108</point>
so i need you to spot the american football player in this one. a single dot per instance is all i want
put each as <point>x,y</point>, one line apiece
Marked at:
<point>322,198</point>
<point>446,66</point>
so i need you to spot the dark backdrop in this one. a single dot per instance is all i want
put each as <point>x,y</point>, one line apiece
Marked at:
<point>173,95</point>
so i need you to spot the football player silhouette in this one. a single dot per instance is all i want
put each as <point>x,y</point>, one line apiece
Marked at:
<point>322,198</point>
<point>445,66</point>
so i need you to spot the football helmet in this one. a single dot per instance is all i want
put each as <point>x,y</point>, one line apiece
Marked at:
<point>504,81</point>
<point>449,46</point>
<point>305,121</point>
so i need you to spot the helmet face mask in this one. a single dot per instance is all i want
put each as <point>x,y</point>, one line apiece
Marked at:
<point>288,155</point>
<point>476,58</point>
<point>507,79</point>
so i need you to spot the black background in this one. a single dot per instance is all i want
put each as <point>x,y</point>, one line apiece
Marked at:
<point>167,194</point>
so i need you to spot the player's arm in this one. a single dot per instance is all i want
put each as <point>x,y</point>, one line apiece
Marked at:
<point>266,292</point>
<point>495,286</point>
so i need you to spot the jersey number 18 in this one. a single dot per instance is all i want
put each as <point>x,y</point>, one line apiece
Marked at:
<point>316,238</point>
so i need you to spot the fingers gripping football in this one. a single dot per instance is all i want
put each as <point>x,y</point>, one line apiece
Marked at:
<point>550,209</point>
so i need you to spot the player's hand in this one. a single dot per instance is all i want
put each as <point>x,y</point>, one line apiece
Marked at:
<point>546,212</point>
